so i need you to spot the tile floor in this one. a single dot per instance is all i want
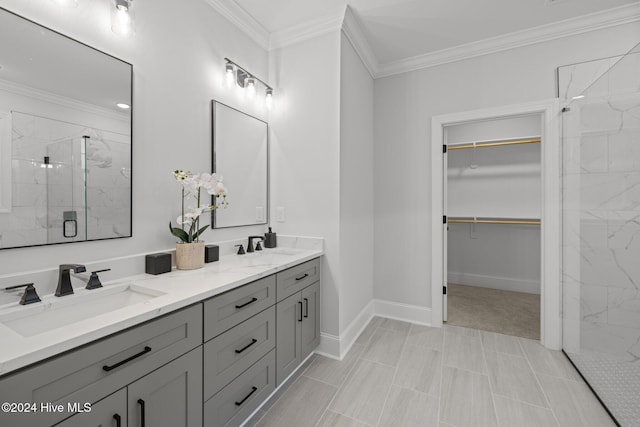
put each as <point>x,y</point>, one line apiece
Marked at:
<point>399,374</point>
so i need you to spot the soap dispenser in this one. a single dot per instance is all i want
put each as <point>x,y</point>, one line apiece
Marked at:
<point>270,240</point>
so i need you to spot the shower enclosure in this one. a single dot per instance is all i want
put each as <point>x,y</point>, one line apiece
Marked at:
<point>70,183</point>
<point>601,228</point>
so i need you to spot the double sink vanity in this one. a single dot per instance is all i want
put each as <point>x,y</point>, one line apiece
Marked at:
<point>187,348</point>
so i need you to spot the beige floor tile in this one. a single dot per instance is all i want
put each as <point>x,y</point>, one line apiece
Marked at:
<point>501,343</point>
<point>419,369</point>
<point>426,336</point>
<point>368,331</point>
<point>395,325</point>
<point>363,395</point>
<point>333,371</point>
<point>333,419</point>
<point>464,352</point>
<point>301,405</point>
<point>385,346</point>
<point>466,399</point>
<point>518,414</point>
<point>548,362</point>
<point>511,376</point>
<point>573,404</point>
<point>409,408</point>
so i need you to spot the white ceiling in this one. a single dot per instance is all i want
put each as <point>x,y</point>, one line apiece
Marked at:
<point>399,29</point>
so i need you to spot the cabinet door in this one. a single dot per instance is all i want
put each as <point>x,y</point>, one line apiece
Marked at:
<point>170,396</point>
<point>288,324</point>
<point>310,319</point>
<point>108,412</point>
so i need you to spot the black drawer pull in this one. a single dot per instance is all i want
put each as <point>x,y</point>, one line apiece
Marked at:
<point>118,419</point>
<point>302,277</point>
<point>253,390</point>
<point>142,413</point>
<point>254,299</point>
<point>300,318</point>
<point>108,368</point>
<point>306,307</point>
<point>253,341</point>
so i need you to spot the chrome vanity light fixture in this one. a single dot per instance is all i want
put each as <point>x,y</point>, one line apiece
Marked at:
<point>121,17</point>
<point>234,73</point>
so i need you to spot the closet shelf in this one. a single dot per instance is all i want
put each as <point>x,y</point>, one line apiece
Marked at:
<point>485,220</point>
<point>483,144</point>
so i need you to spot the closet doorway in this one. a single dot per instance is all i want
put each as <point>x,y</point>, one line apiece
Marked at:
<point>492,194</point>
<point>477,245</point>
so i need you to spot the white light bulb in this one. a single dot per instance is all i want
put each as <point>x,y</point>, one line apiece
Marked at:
<point>121,20</point>
<point>229,77</point>
<point>250,87</point>
<point>268,99</point>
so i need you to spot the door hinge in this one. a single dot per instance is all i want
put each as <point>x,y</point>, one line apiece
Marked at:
<point>444,148</point>
<point>444,219</point>
<point>444,290</point>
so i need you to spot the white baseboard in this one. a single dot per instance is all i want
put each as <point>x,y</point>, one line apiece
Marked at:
<point>336,347</point>
<point>404,312</point>
<point>495,282</point>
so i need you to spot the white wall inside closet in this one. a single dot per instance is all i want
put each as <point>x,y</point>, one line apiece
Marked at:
<point>496,182</point>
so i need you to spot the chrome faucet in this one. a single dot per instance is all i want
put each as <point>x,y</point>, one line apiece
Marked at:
<point>64,278</point>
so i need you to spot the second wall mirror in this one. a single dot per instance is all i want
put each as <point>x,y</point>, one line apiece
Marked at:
<point>241,155</point>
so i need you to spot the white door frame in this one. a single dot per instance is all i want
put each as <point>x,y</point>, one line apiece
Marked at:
<point>550,228</point>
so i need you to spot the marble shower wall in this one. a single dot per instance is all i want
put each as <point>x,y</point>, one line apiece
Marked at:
<point>601,208</point>
<point>92,178</point>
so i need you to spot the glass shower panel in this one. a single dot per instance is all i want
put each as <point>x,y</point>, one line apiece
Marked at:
<point>601,228</point>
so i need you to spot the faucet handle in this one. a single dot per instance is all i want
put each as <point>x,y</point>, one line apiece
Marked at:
<point>30,295</point>
<point>258,247</point>
<point>94,280</point>
<point>240,249</point>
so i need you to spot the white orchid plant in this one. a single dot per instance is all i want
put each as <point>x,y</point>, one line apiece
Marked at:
<point>192,185</point>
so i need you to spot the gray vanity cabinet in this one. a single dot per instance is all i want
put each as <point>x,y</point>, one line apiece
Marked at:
<point>109,412</point>
<point>170,396</point>
<point>298,329</point>
<point>90,373</point>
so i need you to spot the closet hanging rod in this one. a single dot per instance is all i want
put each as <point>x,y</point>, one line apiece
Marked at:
<point>493,221</point>
<point>494,144</point>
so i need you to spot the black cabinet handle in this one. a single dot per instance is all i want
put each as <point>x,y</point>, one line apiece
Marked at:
<point>253,390</point>
<point>254,299</point>
<point>300,318</point>
<point>142,412</point>
<point>306,307</point>
<point>302,277</point>
<point>108,368</point>
<point>253,341</point>
<point>118,420</point>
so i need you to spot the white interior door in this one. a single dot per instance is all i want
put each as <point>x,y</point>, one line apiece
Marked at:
<point>445,228</point>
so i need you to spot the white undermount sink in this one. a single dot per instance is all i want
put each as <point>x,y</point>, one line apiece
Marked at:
<point>57,312</point>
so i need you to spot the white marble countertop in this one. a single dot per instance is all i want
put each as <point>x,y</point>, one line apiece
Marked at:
<point>177,289</point>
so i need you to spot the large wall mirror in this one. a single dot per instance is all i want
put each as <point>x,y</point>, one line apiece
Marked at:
<point>65,138</point>
<point>241,156</point>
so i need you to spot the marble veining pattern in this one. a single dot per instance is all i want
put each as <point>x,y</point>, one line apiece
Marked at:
<point>601,228</point>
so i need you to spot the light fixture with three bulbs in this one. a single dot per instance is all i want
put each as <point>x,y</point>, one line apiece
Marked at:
<point>235,74</point>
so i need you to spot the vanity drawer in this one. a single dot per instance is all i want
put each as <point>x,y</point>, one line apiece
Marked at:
<point>234,403</point>
<point>297,278</point>
<point>229,354</point>
<point>224,311</point>
<point>98,369</point>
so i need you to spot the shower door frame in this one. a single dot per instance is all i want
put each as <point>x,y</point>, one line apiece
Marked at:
<point>550,215</point>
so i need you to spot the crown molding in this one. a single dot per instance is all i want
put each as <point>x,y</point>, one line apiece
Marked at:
<point>305,31</point>
<point>352,29</point>
<point>569,27</point>
<point>42,95</point>
<point>241,19</point>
